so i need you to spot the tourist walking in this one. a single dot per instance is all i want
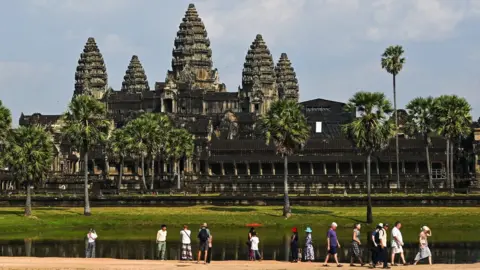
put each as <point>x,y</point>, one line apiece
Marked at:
<point>209,251</point>
<point>162,242</point>
<point>294,245</point>
<point>309,253</point>
<point>91,238</point>
<point>249,243</point>
<point>355,251</point>
<point>383,251</point>
<point>397,243</point>
<point>332,244</point>
<point>424,251</point>
<point>203,236</point>
<point>254,246</point>
<point>186,244</point>
<point>375,243</point>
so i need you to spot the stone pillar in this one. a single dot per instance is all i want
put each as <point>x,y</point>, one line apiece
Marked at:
<point>390,168</point>
<point>312,170</point>
<point>162,105</point>
<point>299,168</point>
<point>248,168</point>
<point>351,167</point>
<point>337,168</point>
<point>260,169</point>
<point>223,168</point>
<point>325,168</point>
<point>364,168</point>
<point>273,168</point>
<point>403,166</point>
<point>235,168</point>
<point>378,166</point>
<point>417,169</point>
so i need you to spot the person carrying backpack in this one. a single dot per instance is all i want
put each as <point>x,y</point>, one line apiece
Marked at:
<point>375,242</point>
<point>203,236</point>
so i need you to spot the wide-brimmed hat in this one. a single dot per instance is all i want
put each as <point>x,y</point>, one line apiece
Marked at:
<point>204,224</point>
<point>294,229</point>
<point>308,230</point>
<point>334,224</point>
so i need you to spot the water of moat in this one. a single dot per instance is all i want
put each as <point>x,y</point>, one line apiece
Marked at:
<point>230,244</point>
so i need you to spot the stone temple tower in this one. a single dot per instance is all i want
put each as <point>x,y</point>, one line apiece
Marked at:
<point>259,84</point>
<point>287,82</point>
<point>135,79</point>
<point>91,75</point>
<point>192,63</point>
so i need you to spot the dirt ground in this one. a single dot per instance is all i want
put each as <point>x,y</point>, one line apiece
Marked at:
<point>80,263</point>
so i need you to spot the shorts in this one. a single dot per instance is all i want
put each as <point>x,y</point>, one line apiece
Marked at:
<point>397,250</point>
<point>333,250</point>
<point>203,246</point>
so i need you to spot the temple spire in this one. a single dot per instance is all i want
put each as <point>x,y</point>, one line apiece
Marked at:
<point>286,79</point>
<point>258,77</point>
<point>135,79</point>
<point>91,75</point>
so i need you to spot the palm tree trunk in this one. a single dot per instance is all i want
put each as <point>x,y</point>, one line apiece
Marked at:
<point>369,190</point>
<point>287,211</point>
<point>451,167</point>
<point>177,170</point>
<point>120,174</point>
<point>152,173</point>
<point>143,173</point>
<point>447,166</point>
<point>28,203</point>
<point>86,209</point>
<point>429,167</point>
<point>396,130</point>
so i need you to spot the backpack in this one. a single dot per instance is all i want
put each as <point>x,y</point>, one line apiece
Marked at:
<point>377,237</point>
<point>203,235</point>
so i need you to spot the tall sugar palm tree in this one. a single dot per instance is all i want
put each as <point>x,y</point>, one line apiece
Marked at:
<point>393,61</point>
<point>422,121</point>
<point>179,144</point>
<point>29,156</point>
<point>119,148</point>
<point>371,131</point>
<point>85,127</point>
<point>286,126</point>
<point>5,126</point>
<point>454,121</point>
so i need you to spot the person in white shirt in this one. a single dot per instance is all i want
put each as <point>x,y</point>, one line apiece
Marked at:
<point>254,246</point>
<point>91,237</point>
<point>186,244</point>
<point>383,252</point>
<point>162,242</point>
<point>397,243</point>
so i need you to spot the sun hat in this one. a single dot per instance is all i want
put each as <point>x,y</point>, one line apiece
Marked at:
<point>204,225</point>
<point>294,229</point>
<point>308,230</point>
<point>334,224</point>
<point>380,225</point>
<point>425,228</point>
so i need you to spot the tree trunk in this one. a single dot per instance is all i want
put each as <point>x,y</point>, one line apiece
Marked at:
<point>177,170</point>
<point>143,173</point>
<point>28,203</point>
<point>120,174</point>
<point>152,173</point>
<point>447,166</point>
<point>396,130</point>
<point>287,211</point>
<point>106,172</point>
<point>452,178</point>
<point>369,190</point>
<point>86,209</point>
<point>429,167</point>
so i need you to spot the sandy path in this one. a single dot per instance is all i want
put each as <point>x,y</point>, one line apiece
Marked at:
<point>80,263</point>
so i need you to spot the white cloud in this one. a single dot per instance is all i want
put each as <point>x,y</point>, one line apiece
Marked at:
<point>93,7</point>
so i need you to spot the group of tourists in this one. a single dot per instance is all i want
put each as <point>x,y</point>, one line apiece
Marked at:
<point>377,239</point>
<point>378,246</point>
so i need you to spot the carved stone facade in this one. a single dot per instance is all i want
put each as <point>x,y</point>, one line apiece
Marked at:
<point>286,79</point>
<point>135,80</point>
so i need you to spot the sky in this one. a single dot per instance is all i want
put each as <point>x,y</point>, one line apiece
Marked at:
<point>335,45</point>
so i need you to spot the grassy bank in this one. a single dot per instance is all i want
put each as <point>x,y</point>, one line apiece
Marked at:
<point>449,224</point>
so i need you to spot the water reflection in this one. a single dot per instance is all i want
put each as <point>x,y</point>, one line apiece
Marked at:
<point>222,250</point>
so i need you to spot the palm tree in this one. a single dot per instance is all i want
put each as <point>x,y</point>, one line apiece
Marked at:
<point>422,121</point>
<point>179,144</point>
<point>371,131</point>
<point>29,156</point>
<point>286,126</point>
<point>119,147</point>
<point>454,121</point>
<point>85,127</point>
<point>5,126</point>
<point>392,62</point>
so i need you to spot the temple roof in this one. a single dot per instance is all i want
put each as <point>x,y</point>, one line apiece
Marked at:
<point>258,64</point>
<point>220,96</point>
<point>38,119</point>
<point>91,74</point>
<point>135,79</point>
<point>192,45</point>
<point>286,79</point>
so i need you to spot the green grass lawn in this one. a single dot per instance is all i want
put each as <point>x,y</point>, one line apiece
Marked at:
<point>447,223</point>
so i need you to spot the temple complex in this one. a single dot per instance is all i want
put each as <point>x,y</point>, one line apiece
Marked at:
<point>227,145</point>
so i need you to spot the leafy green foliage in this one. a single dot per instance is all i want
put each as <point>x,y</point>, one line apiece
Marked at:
<point>454,117</point>
<point>119,144</point>
<point>5,121</point>
<point>372,129</point>
<point>29,153</point>
<point>421,117</point>
<point>392,60</point>
<point>179,144</point>
<point>285,125</point>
